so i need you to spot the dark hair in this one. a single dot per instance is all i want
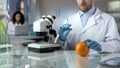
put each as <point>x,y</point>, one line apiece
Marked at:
<point>22,19</point>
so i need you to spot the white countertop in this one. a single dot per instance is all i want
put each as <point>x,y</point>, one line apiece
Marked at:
<point>57,59</point>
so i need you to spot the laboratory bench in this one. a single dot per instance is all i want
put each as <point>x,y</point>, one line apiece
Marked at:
<point>57,59</point>
<point>24,40</point>
<point>36,38</point>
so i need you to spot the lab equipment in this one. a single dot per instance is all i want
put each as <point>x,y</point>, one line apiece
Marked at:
<point>3,31</point>
<point>31,32</point>
<point>6,50</point>
<point>111,63</point>
<point>43,27</point>
<point>93,45</point>
<point>43,47</point>
<point>64,31</point>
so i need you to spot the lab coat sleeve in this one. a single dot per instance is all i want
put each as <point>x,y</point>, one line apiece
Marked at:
<point>112,38</point>
<point>11,29</point>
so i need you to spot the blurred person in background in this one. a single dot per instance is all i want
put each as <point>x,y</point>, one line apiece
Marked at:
<point>17,20</point>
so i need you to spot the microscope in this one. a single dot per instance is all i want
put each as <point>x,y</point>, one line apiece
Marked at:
<point>43,27</point>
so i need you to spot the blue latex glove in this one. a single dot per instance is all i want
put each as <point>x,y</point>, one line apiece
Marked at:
<point>64,31</point>
<point>93,45</point>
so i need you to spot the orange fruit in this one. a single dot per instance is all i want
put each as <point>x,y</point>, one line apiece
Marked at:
<point>82,49</point>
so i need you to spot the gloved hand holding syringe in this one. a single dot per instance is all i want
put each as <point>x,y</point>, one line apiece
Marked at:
<point>63,32</point>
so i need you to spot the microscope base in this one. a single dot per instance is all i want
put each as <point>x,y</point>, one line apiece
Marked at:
<point>42,48</point>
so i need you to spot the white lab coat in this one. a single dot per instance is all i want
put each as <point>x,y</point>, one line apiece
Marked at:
<point>100,27</point>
